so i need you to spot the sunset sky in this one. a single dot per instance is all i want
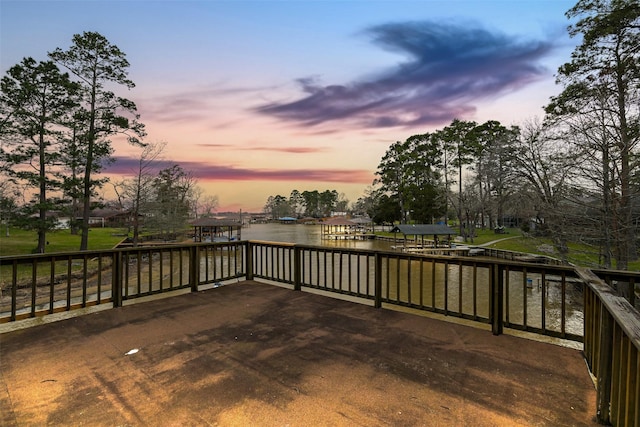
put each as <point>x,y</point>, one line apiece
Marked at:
<point>258,98</point>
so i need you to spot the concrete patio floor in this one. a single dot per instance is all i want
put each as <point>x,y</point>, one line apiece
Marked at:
<point>252,354</point>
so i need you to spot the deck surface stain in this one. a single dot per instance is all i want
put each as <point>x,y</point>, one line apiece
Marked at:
<point>257,354</point>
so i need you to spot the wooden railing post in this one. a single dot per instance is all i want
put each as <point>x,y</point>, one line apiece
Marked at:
<point>603,399</point>
<point>378,281</point>
<point>194,268</point>
<point>297,268</point>
<point>14,290</point>
<point>248,260</point>
<point>497,300</point>
<point>116,281</point>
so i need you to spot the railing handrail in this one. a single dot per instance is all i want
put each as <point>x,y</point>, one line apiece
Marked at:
<point>619,307</point>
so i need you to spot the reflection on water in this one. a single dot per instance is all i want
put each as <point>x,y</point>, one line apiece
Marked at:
<point>305,235</point>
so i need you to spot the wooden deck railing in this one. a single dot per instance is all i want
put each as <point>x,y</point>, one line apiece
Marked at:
<point>552,300</point>
<point>32,285</point>
<point>537,298</point>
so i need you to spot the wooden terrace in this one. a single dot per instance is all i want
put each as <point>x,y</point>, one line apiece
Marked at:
<point>249,353</point>
<point>232,346</point>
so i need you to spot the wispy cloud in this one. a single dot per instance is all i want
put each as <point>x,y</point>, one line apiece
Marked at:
<point>126,166</point>
<point>193,104</point>
<point>449,68</point>
<point>292,150</point>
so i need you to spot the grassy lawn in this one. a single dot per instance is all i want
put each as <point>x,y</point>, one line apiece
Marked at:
<point>488,235</point>
<point>514,240</point>
<point>579,254</point>
<point>24,242</point>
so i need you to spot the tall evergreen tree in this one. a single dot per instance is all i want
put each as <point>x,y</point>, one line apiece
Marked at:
<point>458,140</point>
<point>99,65</point>
<point>173,188</point>
<point>36,99</point>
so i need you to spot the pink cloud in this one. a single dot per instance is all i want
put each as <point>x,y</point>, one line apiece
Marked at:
<point>212,172</point>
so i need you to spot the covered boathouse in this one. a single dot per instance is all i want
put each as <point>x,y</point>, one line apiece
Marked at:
<point>414,239</point>
<point>341,228</point>
<point>216,230</point>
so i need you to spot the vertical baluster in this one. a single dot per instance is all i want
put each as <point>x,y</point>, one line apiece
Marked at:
<point>340,287</point>
<point>397,258</point>
<point>161,269</point>
<point>460,309</point>
<point>207,250</point>
<point>150,257</point>
<point>378,280</point>
<point>14,289</point>
<point>99,279</point>
<point>475,290</point>
<point>421,282</point>
<point>139,272</point>
<point>335,280</point>
<point>543,303</point>
<point>388,274</point>
<point>68,290</point>
<point>181,266</point>
<point>52,284</point>
<point>117,284</point>
<point>507,308</point>
<point>631,385</point>
<point>497,299</point>
<point>446,288</point>
<point>171,270</point>
<point>409,287</point>
<point>367,270</point>
<point>34,287</point>
<point>358,260</point>
<point>433,283</point>
<point>610,366</point>
<point>85,270</point>
<point>563,305</point>
<point>297,268</point>
<point>525,283</point>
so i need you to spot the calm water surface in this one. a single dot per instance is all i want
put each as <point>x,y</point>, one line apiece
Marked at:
<point>305,235</point>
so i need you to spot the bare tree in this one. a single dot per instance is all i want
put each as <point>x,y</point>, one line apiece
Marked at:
<point>545,169</point>
<point>603,77</point>
<point>139,190</point>
<point>207,204</point>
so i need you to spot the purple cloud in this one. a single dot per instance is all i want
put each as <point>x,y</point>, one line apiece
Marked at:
<point>293,150</point>
<point>449,67</point>
<point>127,166</point>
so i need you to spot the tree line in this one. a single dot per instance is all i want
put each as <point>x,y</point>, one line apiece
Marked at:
<point>572,176</point>
<point>308,203</point>
<point>56,128</point>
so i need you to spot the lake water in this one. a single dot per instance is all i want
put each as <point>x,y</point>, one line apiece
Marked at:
<point>305,235</point>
